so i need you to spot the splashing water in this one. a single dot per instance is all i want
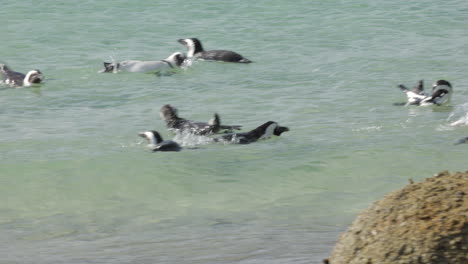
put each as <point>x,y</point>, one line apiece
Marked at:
<point>186,64</point>
<point>460,115</point>
<point>190,140</point>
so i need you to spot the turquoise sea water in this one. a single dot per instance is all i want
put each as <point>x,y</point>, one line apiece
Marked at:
<point>77,185</point>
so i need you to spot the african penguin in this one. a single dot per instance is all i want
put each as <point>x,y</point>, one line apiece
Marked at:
<point>175,60</point>
<point>441,94</point>
<point>156,142</point>
<point>17,79</point>
<point>168,113</point>
<point>196,51</point>
<point>264,131</point>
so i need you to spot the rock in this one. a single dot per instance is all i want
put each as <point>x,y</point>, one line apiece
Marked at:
<point>423,223</point>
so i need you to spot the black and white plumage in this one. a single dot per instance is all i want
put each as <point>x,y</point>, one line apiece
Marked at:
<point>168,113</point>
<point>174,61</point>
<point>264,131</point>
<point>17,79</point>
<point>156,142</point>
<point>196,51</point>
<point>441,94</point>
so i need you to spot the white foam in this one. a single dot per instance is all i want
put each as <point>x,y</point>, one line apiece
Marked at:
<point>187,139</point>
<point>459,116</point>
<point>368,129</point>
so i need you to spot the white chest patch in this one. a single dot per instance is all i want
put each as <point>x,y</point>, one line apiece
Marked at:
<point>190,47</point>
<point>151,138</point>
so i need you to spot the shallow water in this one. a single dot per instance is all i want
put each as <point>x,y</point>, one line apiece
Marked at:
<point>78,185</point>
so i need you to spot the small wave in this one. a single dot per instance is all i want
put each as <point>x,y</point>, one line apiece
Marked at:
<point>134,144</point>
<point>461,122</point>
<point>444,127</point>
<point>368,129</point>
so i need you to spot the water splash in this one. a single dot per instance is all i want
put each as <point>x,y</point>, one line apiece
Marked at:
<point>459,116</point>
<point>190,140</point>
<point>186,64</point>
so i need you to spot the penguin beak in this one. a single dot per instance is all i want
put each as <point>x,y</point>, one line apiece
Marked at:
<point>142,134</point>
<point>182,41</point>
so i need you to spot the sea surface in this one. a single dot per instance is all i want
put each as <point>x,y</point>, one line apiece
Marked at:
<point>77,185</point>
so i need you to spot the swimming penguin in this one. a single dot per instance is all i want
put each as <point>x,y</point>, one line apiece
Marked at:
<point>168,113</point>
<point>416,95</point>
<point>441,94</point>
<point>175,60</point>
<point>156,142</point>
<point>196,51</point>
<point>17,79</point>
<point>264,131</point>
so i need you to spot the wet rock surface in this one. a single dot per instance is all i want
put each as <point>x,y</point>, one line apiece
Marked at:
<point>424,222</point>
